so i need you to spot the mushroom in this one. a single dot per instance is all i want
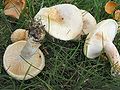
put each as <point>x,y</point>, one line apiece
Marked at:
<point>19,34</point>
<point>63,21</point>
<point>117,15</point>
<point>102,38</point>
<point>111,6</point>
<point>89,22</point>
<point>23,59</point>
<point>94,41</point>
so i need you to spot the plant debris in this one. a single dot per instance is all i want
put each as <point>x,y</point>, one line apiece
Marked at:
<point>14,8</point>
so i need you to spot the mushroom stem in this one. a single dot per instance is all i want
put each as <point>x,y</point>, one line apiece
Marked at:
<point>36,35</point>
<point>113,54</point>
<point>30,48</point>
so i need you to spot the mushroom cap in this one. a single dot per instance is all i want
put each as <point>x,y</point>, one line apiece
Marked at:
<point>117,15</point>
<point>19,68</point>
<point>63,21</point>
<point>89,22</point>
<point>19,34</point>
<point>110,7</point>
<point>105,31</point>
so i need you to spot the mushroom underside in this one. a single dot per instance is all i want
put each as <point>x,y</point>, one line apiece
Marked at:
<point>105,31</point>
<point>19,68</point>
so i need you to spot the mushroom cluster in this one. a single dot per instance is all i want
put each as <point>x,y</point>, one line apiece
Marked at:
<point>64,22</point>
<point>60,24</point>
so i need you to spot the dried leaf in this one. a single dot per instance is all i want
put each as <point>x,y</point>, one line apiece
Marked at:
<point>110,7</point>
<point>14,8</point>
<point>117,15</point>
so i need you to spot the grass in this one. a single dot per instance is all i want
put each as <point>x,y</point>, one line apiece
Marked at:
<point>66,66</point>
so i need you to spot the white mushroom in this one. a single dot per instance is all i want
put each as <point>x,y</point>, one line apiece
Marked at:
<point>63,21</point>
<point>19,34</point>
<point>102,38</point>
<point>23,60</point>
<point>94,41</point>
<point>19,68</point>
<point>113,54</point>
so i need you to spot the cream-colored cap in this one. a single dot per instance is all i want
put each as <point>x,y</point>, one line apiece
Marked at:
<point>19,34</point>
<point>63,21</point>
<point>19,68</point>
<point>105,30</point>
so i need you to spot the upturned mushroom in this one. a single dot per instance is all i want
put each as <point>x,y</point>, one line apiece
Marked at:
<point>23,59</point>
<point>63,21</point>
<point>101,38</point>
<point>94,41</point>
<point>19,34</point>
